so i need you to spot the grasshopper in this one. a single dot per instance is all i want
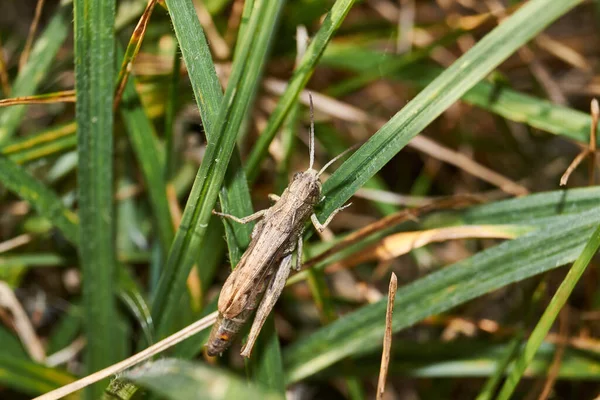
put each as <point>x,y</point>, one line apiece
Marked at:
<point>266,263</point>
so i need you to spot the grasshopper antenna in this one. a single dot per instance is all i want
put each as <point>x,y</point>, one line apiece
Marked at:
<point>312,132</point>
<point>342,154</point>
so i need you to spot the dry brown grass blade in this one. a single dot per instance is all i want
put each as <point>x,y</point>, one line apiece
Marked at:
<point>387,338</point>
<point>391,220</point>
<point>133,48</point>
<point>15,242</point>
<point>590,150</point>
<point>32,30</point>
<point>143,355</point>
<point>4,80</point>
<point>67,96</point>
<point>395,245</point>
<point>22,323</point>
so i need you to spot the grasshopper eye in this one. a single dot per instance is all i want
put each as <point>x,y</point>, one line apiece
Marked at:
<point>297,175</point>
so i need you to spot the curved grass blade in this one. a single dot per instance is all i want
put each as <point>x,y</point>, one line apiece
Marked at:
<point>94,84</point>
<point>183,380</point>
<point>545,323</point>
<point>301,75</point>
<point>44,50</point>
<point>30,377</point>
<point>438,96</point>
<point>45,201</point>
<point>359,332</point>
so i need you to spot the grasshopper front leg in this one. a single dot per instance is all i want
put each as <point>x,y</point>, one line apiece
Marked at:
<point>268,302</point>
<point>244,220</point>
<point>321,227</point>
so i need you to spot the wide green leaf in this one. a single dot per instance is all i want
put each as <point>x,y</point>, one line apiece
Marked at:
<point>181,380</point>
<point>553,245</point>
<point>94,85</point>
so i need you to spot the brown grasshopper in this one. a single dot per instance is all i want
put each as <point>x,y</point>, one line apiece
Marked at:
<point>266,264</point>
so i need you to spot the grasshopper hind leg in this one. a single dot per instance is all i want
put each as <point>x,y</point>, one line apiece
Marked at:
<point>272,293</point>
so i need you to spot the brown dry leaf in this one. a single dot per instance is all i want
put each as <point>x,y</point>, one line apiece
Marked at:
<point>401,243</point>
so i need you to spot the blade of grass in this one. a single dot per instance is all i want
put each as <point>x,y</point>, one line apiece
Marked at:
<point>501,100</point>
<point>30,377</point>
<point>183,380</point>
<point>545,323</point>
<point>143,140</point>
<point>358,332</point>
<point>297,82</point>
<point>94,83</point>
<point>236,102</point>
<point>171,109</point>
<point>45,201</point>
<point>463,359</point>
<point>438,96</point>
<point>34,72</point>
<point>235,195</point>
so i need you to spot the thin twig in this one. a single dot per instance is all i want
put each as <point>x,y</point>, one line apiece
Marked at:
<point>590,150</point>
<point>406,23</point>
<point>143,355</point>
<point>387,338</point>
<point>15,242</point>
<point>66,96</point>
<point>32,29</point>
<point>22,323</point>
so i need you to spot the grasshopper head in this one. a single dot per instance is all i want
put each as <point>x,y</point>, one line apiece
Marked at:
<point>307,186</point>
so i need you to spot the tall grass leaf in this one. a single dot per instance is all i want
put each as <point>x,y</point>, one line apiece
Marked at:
<point>44,200</point>
<point>183,380</point>
<point>361,331</point>
<point>29,377</point>
<point>94,84</point>
<point>34,72</point>
<point>143,140</point>
<point>448,87</point>
<point>302,74</point>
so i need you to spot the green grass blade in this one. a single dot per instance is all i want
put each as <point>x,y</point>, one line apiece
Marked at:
<point>211,174</point>
<point>143,140</point>
<point>438,96</point>
<point>361,331</point>
<point>501,100</point>
<point>182,380</point>
<point>30,377</point>
<point>42,54</point>
<point>462,359</point>
<point>545,323</point>
<point>235,195</point>
<point>297,82</point>
<point>94,83</point>
<point>44,200</point>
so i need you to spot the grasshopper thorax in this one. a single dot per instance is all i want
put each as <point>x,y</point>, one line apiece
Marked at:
<point>306,186</point>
